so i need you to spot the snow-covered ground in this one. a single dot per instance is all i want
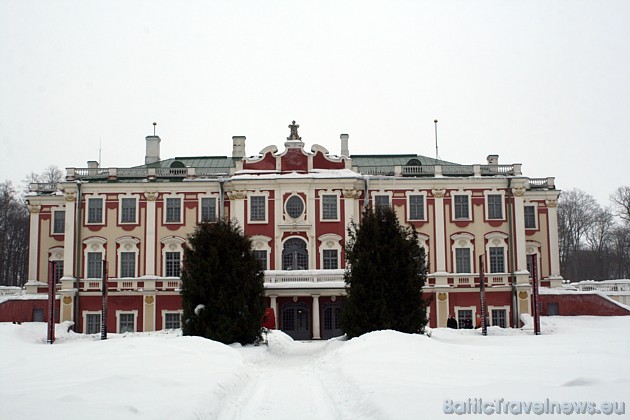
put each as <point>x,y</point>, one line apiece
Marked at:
<point>382,375</point>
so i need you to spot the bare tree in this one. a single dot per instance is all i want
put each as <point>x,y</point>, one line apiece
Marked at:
<point>620,250</point>
<point>598,238</point>
<point>14,225</point>
<point>577,211</point>
<point>621,202</point>
<point>51,175</point>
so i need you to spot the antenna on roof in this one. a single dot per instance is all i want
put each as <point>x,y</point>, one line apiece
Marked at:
<point>437,156</point>
<point>154,124</point>
<point>99,151</point>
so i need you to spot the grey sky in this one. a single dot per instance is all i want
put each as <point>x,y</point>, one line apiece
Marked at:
<point>542,83</point>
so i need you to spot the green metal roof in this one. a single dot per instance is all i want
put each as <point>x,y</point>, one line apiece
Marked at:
<point>195,162</point>
<point>394,160</point>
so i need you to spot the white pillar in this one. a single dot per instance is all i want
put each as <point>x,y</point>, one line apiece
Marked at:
<point>149,248</point>
<point>554,249</point>
<point>440,240</point>
<point>33,242</point>
<point>68,237</point>
<point>274,305</point>
<point>316,335</point>
<point>519,228</point>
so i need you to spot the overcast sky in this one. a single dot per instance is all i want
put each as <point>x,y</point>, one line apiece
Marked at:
<point>542,83</point>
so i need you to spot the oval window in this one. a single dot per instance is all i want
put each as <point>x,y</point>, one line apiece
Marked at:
<point>295,206</point>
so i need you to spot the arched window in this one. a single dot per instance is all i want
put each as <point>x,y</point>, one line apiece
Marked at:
<point>295,255</point>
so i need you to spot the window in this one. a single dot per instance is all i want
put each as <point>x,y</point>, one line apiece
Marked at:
<point>294,255</point>
<point>92,323</point>
<point>95,210</point>
<point>381,201</point>
<point>94,265</point>
<point>127,264</point>
<point>499,317</point>
<point>209,209</point>
<point>461,207</point>
<point>127,210</point>
<point>126,323</point>
<point>295,206</point>
<point>331,261</point>
<point>416,207</point>
<point>329,207</point>
<point>59,221</point>
<point>530,217</point>
<point>57,270</point>
<point>257,208</point>
<point>172,264</point>
<point>465,318</point>
<point>497,260</point>
<point>495,206</point>
<point>172,320</point>
<point>462,260</point>
<point>173,210</point>
<point>261,257</point>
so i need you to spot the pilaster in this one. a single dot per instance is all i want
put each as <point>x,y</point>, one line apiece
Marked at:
<point>150,245</point>
<point>33,251</point>
<point>69,250</point>
<point>440,240</point>
<point>316,326</point>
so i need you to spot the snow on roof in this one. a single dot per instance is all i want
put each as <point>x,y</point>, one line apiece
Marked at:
<point>315,173</point>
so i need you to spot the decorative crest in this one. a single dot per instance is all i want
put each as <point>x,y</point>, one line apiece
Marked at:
<point>294,133</point>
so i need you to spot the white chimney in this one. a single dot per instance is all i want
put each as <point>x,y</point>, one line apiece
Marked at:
<point>238,146</point>
<point>344,145</point>
<point>92,164</point>
<point>153,149</point>
<point>493,159</point>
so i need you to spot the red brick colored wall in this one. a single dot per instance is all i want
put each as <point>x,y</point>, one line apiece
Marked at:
<point>582,304</point>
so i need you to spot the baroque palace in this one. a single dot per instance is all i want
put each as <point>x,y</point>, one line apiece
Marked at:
<point>296,206</point>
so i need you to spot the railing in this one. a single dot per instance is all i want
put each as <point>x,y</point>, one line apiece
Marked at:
<point>122,173</point>
<point>376,170</point>
<point>536,183</point>
<point>10,291</point>
<point>43,186</point>
<point>603,286</point>
<point>132,284</point>
<point>468,280</point>
<point>307,276</point>
<point>418,170</point>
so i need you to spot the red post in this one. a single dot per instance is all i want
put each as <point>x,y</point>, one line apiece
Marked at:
<point>51,303</point>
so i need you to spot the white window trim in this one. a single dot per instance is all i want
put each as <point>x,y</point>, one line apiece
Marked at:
<point>285,213</point>
<point>87,209</point>
<point>55,254</point>
<point>507,314</point>
<point>216,207</point>
<point>535,206</point>
<point>408,194</point>
<point>486,204</point>
<point>496,240</point>
<point>261,243</point>
<point>321,195</point>
<point>127,244</point>
<point>330,241</point>
<point>135,319</point>
<point>93,244</point>
<point>136,220</point>
<point>465,308</point>
<point>470,209</point>
<point>181,211</point>
<point>373,195</point>
<point>165,311</point>
<point>258,193</point>
<point>172,244</point>
<point>463,240</point>
<point>52,219</point>
<point>85,314</point>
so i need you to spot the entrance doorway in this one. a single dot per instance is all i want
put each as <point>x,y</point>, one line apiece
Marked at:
<point>296,320</point>
<point>331,317</point>
<point>294,255</point>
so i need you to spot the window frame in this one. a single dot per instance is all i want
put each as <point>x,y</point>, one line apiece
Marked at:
<point>455,206</point>
<point>458,269</point>
<point>323,206</point>
<point>89,210</point>
<point>492,207</point>
<point>493,260</point>
<point>53,224</point>
<point>534,209</point>
<point>168,265</point>
<point>326,260</point>
<point>134,313</point>
<point>122,213</point>
<point>264,207</point>
<point>294,198</point>
<point>168,219</point>
<point>505,308</point>
<point>164,316</point>
<point>213,218</point>
<point>410,206</point>
<point>86,324</point>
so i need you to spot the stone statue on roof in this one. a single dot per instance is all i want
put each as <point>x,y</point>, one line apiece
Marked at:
<point>294,133</point>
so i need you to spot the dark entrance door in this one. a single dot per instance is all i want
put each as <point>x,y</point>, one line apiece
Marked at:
<point>296,320</point>
<point>294,255</point>
<point>331,317</point>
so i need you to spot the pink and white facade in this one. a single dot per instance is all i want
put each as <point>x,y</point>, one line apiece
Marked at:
<point>296,205</point>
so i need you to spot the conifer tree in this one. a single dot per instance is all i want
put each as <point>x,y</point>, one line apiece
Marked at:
<point>385,274</point>
<point>222,285</point>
